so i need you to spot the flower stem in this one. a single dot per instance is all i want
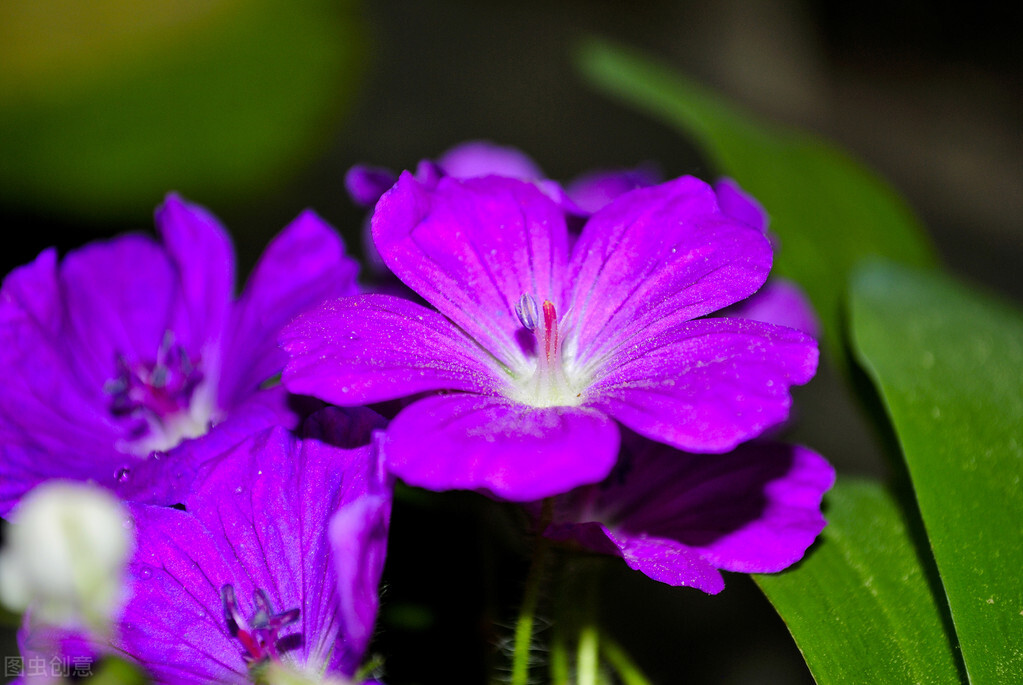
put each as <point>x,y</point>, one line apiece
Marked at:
<point>530,599</point>
<point>559,666</point>
<point>587,662</point>
<point>622,663</point>
<point>588,655</point>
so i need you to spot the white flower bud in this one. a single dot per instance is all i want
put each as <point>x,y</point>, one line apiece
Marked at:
<point>65,556</point>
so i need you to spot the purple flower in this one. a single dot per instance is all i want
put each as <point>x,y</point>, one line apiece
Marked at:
<point>679,518</point>
<point>541,348</point>
<point>131,346</point>
<point>275,560</point>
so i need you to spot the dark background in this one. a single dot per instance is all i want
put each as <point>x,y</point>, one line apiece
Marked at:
<point>929,94</point>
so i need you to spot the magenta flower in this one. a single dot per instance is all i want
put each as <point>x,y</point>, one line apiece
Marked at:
<point>541,349</point>
<point>681,518</point>
<point>129,347</point>
<point>276,560</point>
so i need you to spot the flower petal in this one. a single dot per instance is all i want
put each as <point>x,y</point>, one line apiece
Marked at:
<point>664,560</point>
<point>120,298</point>
<point>257,520</point>
<point>370,348</point>
<point>780,302</point>
<point>365,184</point>
<point>596,189</point>
<point>655,252</point>
<point>705,385</point>
<point>790,481</point>
<point>668,561</point>
<point>472,248</point>
<point>51,425</point>
<point>477,158</point>
<point>302,267</point>
<point>358,540</point>
<point>203,258</point>
<point>514,451</point>
<point>677,516</point>
<point>737,203</point>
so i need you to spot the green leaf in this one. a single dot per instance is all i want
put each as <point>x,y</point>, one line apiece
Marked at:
<point>827,209</point>
<point>949,365</point>
<point>859,605</point>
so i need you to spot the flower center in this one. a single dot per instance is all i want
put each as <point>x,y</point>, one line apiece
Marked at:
<point>548,384</point>
<point>259,635</point>
<point>159,400</point>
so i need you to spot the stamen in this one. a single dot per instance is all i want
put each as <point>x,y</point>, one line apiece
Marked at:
<point>156,399</point>
<point>258,635</point>
<point>527,312</point>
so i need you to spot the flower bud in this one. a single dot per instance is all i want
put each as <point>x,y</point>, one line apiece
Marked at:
<point>65,556</point>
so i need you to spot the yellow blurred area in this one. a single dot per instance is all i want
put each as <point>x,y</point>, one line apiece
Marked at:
<point>49,49</point>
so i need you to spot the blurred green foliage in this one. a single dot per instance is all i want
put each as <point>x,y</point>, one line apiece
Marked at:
<point>107,105</point>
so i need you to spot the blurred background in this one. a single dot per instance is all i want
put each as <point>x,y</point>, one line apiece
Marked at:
<point>256,109</point>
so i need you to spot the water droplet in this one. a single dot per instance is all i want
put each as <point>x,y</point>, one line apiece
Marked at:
<point>146,573</point>
<point>238,490</point>
<point>122,474</point>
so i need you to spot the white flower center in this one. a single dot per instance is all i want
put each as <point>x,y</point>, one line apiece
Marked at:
<point>550,382</point>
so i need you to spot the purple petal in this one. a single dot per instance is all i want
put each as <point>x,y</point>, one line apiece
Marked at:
<point>302,267</point>
<point>791,481</point>
<point>30,292</point>
<point>167,478</point>
<point>365,184</point>
<point>658,252</point>
<point>257,520</point>
<point>370,348</point>
<point>705,385</point>
<point>120,298</point>
<point>481,158</point>
<point>780,302</point>
<point>472,249</point>
<point>203,258</point>
<point>668,561</point>
<point>596,189</point>
<point>358,540</point>
<point>738,204</point>
<point>174,624</point>
<point>664,560</point>
<point>514,451</point>
<point>51,423</point>
<point>40,643</point>
<point>676,516</point>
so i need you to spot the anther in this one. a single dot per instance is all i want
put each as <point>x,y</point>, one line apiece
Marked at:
<point>527,311</point>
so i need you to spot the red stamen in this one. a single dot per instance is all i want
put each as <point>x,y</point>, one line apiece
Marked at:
<point>251,644</point>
